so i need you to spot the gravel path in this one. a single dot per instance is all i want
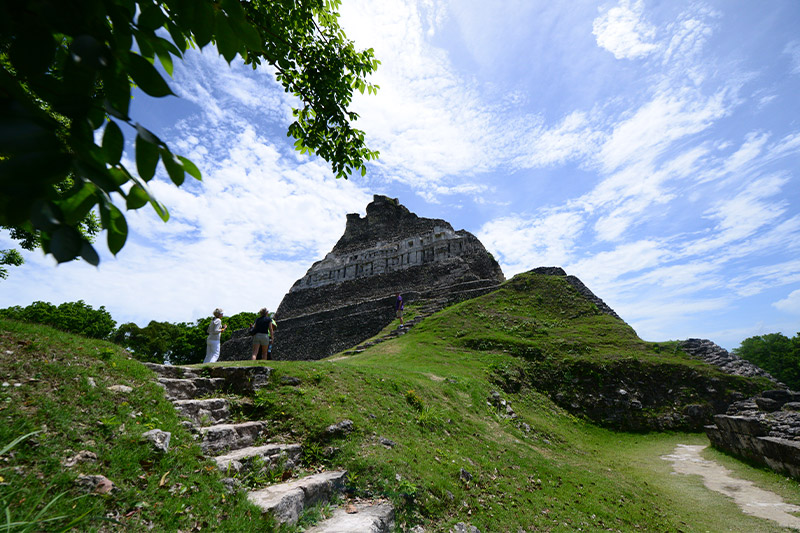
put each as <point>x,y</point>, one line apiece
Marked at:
<point>752,500</point>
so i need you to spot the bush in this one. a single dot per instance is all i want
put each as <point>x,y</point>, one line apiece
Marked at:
<point>776,353</point>
<point>74,317</point>
<point>181,343</point>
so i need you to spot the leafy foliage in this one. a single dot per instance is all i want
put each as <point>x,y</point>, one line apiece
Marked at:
<point>66,72</point>
<point>9,257</point>
<point>158,341</point>
<point>179,343</point>
<point>74,317</point>
<point>776,353</point>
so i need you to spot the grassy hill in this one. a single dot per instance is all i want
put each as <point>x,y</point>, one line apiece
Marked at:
<point>486,413</point>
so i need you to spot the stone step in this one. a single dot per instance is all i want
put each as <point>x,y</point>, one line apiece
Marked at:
<point>271,455</point>
<point>172,371</point>
<point>363,517</point>
<point>285,501</point>
<point>230,436</point>
<point>204,412</point>
<point>188,389</point>
<point>242,379</point>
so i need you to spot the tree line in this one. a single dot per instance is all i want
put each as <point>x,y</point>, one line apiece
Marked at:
<point>776,353</point>
<point>181,343</point>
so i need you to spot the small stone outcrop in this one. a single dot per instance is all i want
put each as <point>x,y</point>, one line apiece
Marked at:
<point>716,355</point>
<point>348,296</point>
<point>764,429</point>
<point>578,285</point>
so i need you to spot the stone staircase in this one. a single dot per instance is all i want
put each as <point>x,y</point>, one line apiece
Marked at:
<point>237,450</point>
<point>422,312</point>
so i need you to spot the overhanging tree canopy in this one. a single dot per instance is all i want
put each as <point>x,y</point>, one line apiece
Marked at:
<point>67,68</point>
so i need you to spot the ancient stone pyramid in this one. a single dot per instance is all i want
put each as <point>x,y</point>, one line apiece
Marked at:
<point>348,296</point>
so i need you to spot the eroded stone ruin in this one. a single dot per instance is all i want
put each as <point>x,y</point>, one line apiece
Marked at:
<point>348,296</point>
<point>764,429</point>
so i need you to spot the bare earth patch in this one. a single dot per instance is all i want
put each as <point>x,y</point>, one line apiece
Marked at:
<point>751,500</point>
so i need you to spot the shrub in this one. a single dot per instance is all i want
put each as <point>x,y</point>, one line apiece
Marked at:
<point>74,317</point>
<point>776,353</point>
<point>414,400</point>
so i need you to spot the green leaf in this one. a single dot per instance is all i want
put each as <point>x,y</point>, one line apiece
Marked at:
<point>177,37</point>
<point>173,166</point>
<point>228,42</point>
<point>137,197</point>
<point>166,61</point>
<point>151,17</point>
<point>114,222</point>
<point>96,115</point>
<point>234,10</point>
<point>45,216</point>
<point>65,244</point>
<point>160,209</point>
<point>89,254</point>
<point>249,34</point>
<point>190,167</point>
<point>117,89</point>
<point>203,27</point>
<point>113,143</point>
<point>146,158</point>
<point>78,205</point>
<point>148,135</point>
<point>147,77</point>
<point>144,40</point>
<point>119,176</point>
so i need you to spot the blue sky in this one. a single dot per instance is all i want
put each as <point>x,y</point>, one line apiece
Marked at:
<point>650,148</point>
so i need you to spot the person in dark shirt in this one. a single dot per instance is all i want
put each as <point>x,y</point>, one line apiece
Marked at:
<point>398,308</point>
<point>262,332</point>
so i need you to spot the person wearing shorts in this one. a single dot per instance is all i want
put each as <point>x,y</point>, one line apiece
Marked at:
<point>262,331</point>
<point>398,308</point>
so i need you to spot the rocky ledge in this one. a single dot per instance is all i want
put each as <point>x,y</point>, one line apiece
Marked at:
<point>764,429</point>
<point>716,355</point>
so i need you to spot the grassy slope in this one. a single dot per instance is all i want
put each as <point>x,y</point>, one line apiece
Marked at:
<point>55,397</point>
<point>427,391</point>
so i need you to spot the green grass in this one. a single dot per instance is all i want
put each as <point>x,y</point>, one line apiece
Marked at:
<point>457,458</point>
<point>55,397</point>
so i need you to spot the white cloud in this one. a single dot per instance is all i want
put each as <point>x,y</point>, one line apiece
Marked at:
<point>622,260</point>
<point>435,127</point>
<point>792,49</point>
<point>668,117</point>
<point>623,31</point>
<point>790,304</point>
<point>522,243</point>
<point>741,216</point>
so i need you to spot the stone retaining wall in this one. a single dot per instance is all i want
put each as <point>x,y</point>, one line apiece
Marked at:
<point>764,429</point>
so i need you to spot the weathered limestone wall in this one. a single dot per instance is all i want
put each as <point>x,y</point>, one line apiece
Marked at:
<point>729,363</point>
<point>348,296</point>
<point>764,429</point>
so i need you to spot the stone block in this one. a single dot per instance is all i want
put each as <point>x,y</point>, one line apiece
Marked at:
<point>745,425</point>
<point>768,404</point>
<point>242,379</point>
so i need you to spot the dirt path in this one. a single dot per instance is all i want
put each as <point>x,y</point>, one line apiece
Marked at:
<point>752,500</point>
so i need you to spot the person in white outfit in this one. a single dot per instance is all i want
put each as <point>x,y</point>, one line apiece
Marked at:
<point>215,329</point>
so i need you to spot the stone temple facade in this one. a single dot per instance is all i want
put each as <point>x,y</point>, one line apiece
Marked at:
<point>348,296</point>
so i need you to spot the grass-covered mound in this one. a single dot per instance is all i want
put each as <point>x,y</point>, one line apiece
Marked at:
<point>55,385</point>
<point>589,362</point>
<point>431,429</point>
